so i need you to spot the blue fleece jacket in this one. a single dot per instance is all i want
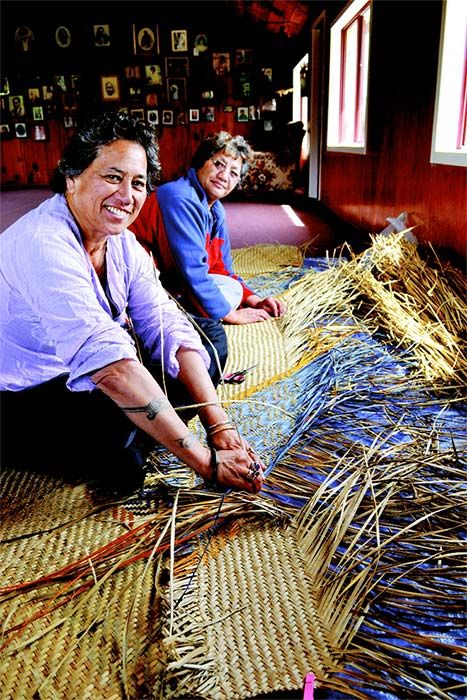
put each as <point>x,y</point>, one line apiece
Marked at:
<point>188,240</point>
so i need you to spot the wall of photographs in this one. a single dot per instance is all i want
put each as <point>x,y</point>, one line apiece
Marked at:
<point>173,77</point>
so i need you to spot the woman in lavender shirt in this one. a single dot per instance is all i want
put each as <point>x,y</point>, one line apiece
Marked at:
<point>74,282</point>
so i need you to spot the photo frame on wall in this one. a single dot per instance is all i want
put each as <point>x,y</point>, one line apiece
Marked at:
<point>176,89</point>
<point>145,40</point>
<point>63,37</point>
<point>152,116</point>
<point>194,115</point>
<point>200,44</point>
<point>137,114</point>
<point>168,117</point>
<point>4,86</point>
<point>153,74</point>
<point>179,40</point>
<point>38,114</point>
<point>110,88</point>
<point>101,34</point>
<point>21,130</point>
<point>242,114</point>
<point>5,132</point>
<point>39,132</point>
<point>176,67</point>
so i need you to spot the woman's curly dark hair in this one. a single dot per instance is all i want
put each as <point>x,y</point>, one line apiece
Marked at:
<point>234,146</point>
<point>87,141</point>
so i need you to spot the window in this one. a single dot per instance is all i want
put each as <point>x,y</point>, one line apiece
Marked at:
<point>348,78</point>
<point>300,100</point>
<point>449,142</point>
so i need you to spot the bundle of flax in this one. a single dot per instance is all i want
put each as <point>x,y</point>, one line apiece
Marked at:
<point>417,305</point>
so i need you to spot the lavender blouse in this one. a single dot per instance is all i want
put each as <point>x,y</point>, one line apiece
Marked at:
<point>56,318</point>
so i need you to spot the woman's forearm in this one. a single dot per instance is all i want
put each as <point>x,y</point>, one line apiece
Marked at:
<point>135,391</point>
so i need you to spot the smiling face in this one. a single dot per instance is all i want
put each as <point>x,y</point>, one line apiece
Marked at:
<point>219,175</point>
<point>107,197</point>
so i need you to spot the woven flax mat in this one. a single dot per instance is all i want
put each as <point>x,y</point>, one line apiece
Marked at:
<point>347,564</point>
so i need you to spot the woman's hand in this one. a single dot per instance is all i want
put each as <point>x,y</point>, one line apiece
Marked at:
<point>237,469</point>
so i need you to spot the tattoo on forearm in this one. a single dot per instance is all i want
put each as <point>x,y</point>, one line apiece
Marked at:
<point>187,441</point>
<point>154,407</point>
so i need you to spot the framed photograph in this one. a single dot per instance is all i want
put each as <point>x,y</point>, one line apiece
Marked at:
<point>59,82</point>
<point>151,100</point>
<point>4,87</point>
<point>153,74</point>
<point>110,88</point>
<point>200,44</point>
<point>194,115</point>
<point>101,34</point>
<point>179,40</point>
<point>75,82</point>
<point>5,132</point>
<point>38,114</point>
<point>176,67</point>
<point>242,114</point>
<point>176,89</point>
<point>68,121</point>
<point>167,117</point>
<point>132,72</point>
<point>16,107</point>
<point>208,114</point>
<point>62,37</point>
<point>137,114</point>
<point>21,131</point>
<point>145,40</point>
<point>34,95</point>
<point>39,132</point>
<point>244,57</point>
<point>221,63</point>
<point>24,37</point>
<point>267,72</point>
<point>152,116</point>
<point>47,93</point>
<point>227,109</point>
<point>181,118</point>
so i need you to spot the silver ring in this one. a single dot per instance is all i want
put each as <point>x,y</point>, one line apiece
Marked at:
<point>253,471</point>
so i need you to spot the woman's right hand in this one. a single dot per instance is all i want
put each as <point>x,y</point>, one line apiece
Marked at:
<point>236,469</point>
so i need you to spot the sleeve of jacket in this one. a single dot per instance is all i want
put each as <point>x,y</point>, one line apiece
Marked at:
<point>187,237</point>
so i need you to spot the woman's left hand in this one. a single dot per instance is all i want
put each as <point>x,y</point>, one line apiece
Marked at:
<point>230,440</point>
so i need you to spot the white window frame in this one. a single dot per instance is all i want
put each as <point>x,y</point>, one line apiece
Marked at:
<point>334,141</point>
<point>449,144</point>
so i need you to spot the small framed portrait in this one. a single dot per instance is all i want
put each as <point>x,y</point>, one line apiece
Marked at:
<point>176,89</point>
<point>47,93</point>
<point>267,73</point>
<point>38,114</point>
<point>227,109</point>
<point>101,34</point>
<point>39,132</point>
<point>21,131</point>
<point>132,72</point>
<point>221,63</point>
<point>153,74</point>
<point>24,37</point>
<point>152,116</point>
<point>5,132</point>
<point>200,44</point>
<point>63,37</point>
<point>75,82</point>
<point>137,114</point>
<point>4,87</point>
<point>176,67</point>
<point>194,115</point>
<point>151,99</point>
<point>60,82</point>
<point>110,88</point>
<point>243,57</point>
<point>16,107</point>
<point>208,114</point>
<point>34,95</point>
<point>181,118</point>
<point>167,117</point>
<point>242,114</point>
<point>179,40</point>
<point>68,121</point>
<point>145,40</point>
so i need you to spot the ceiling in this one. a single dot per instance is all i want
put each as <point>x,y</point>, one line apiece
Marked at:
<point>284,16</point>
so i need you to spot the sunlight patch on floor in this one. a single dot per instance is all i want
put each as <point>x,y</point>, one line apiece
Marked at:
<point>292,215</point>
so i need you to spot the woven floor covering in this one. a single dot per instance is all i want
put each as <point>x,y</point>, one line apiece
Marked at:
<point>349,564</point>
